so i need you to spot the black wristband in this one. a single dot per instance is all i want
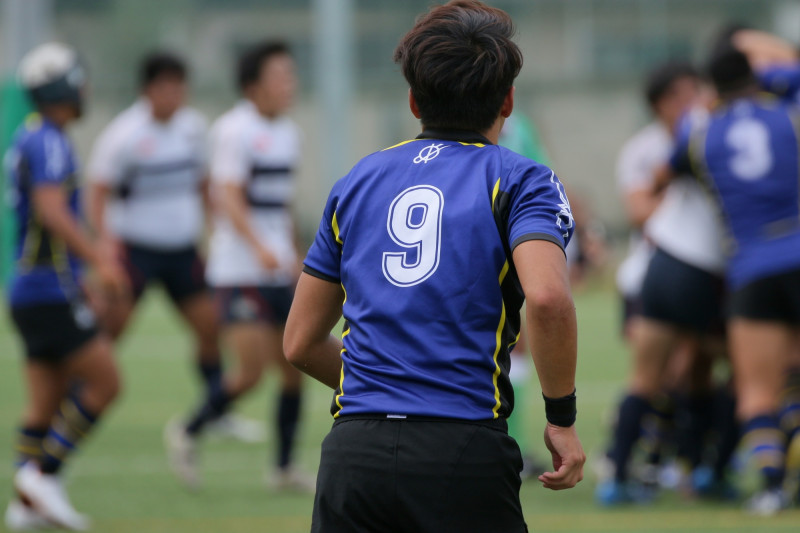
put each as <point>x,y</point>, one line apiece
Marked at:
<point>560,411</point>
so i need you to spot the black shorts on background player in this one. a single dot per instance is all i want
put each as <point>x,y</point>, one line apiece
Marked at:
<point>254,304</point>
<point>774,298</point>
<point>181,272</point>
<point>52,332</point>
<point>384,474</point>
<point>683,295</point>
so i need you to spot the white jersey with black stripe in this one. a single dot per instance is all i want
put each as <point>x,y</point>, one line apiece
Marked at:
<point>261,155</point>
<point>155,170</point>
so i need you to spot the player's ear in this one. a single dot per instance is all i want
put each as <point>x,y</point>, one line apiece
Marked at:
<point>508,104</point>
<point>412,104</point>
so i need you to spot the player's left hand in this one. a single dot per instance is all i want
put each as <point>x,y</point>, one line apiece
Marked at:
<point>568,457</point>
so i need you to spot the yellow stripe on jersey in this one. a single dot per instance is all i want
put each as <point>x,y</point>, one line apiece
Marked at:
<point>479,145</point>
<point>335,226</point>
<point>495,191</point>
<point>345,333</point>
<point>499,344</point>
<point>341,384</point>
<point>401,144</point>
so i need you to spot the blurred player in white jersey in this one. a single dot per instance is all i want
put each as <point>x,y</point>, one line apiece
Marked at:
<point>147,202</point>
<point>673,288</point>
<point>253,262</point>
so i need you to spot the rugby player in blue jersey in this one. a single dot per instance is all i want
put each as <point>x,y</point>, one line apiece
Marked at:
<point>747,151</point>
<point>57,328</point>
<point>428,249</point>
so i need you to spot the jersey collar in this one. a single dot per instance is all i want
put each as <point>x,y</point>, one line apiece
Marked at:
<point>463,136</point>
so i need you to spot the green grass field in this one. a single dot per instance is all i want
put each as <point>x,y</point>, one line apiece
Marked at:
<point>121,479</point>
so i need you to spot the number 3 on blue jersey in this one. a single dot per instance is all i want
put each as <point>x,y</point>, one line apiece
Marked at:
<point>414,223</point>
<point>750,141</point>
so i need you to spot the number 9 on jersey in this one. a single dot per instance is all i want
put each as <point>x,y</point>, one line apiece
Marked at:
<point>414,223</point>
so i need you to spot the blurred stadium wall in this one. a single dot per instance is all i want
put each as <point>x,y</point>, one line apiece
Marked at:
<point>584,62</point>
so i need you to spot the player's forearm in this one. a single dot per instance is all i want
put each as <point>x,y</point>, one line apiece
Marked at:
<point>52,212</point>
<point>553,333</point>
<point>321,360</point>
<point>640,205</point>
<point>96,210</point>
<point>238,212</point>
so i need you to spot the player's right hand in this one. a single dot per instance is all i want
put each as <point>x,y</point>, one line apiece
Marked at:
<point>267,260</point>
<point>112,278</point>
<point>568,457</point>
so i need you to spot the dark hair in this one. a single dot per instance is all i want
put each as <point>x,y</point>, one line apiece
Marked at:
<point>660,80</point>
<point>730,70</point>
<point>161,64</point>
<point>724,37</point>
<point>460,63</point>
<point>252,61</point>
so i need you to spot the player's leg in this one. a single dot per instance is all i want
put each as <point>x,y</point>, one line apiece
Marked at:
<point>244,332</point>
<point>790,422</point>
<point>278,301</point>
<point>91,364</point>
<point>760,350</point>
<point>46,387</point>
<point>653,344</point>
<point>183,276</point>
<point>287,416</point>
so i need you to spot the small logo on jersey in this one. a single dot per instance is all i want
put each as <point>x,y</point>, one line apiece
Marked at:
<point>262,143</point>
<point>428,153</point>
<point>146,147</point>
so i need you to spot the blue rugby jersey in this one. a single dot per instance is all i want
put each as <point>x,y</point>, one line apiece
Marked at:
<point>46,272</point>
<point>747,150</point>
<point>420,236</point>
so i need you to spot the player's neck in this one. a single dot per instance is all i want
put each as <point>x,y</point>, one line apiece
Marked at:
<point>493,133</point>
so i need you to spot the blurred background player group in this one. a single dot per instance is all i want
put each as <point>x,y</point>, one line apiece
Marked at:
<point>688,281</point>
<point>148,203</point>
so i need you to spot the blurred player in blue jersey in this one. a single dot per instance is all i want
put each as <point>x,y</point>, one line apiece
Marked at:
<point>58,329</point>
<point>148,198</point>
<point>253,262</point>
<point>428,249</point>
<point>747,150</point>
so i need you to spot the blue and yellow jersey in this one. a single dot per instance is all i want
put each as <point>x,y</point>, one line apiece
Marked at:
<point>41,155</point>
<point>420,237</point>
<point>747,151</point>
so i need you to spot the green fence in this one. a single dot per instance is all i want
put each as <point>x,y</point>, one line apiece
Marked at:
<point>14,106</point>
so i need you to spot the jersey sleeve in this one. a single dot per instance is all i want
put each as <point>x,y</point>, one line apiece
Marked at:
<point>228,161</point>
<point>106,161</point>
<point>540,210</point>
<point>324,257</point>
<point>47,157</point>
<point>783,81</point>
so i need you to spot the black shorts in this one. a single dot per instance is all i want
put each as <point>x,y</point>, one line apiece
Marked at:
<point>254,304</point>
<point>631,308</point>
<point>181,272</point>
<point>682,295</point>
<point>53,332</point>
<point>380,475</point>
<point>774,298</point>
